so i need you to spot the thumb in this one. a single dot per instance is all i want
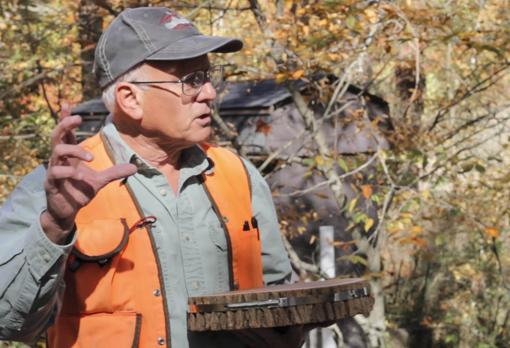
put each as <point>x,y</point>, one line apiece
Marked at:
<point>118,171</point>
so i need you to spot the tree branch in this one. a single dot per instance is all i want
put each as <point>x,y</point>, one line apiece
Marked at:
<point>105,5</point>
<point>477,88</point>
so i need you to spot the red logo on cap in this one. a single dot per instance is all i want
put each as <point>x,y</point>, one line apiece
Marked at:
<point>172,20</point>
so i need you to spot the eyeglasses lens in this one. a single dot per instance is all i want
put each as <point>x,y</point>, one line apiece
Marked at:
<point>192,83</point>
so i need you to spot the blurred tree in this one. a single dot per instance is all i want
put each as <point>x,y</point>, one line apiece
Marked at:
<point>90,27</point>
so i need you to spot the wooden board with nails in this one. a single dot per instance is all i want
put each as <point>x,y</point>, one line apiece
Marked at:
<point>282,305</point>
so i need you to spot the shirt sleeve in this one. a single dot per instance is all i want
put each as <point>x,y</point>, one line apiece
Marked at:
<point>31,266</point>
<point>275,260</point>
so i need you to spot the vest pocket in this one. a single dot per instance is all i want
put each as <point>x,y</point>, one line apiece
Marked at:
<point>119,329</point>
<point>99,241</point>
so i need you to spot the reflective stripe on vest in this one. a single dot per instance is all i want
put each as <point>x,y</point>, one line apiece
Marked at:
<point>118,300</point>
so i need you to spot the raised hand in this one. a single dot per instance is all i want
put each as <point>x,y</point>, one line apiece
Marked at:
<point>70,184</point>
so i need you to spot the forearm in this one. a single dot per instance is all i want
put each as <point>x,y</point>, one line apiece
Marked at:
<point>31,287</point>
<point>27,309</point>
<point>31,265</point>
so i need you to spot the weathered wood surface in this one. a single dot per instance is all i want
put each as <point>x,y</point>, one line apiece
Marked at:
<point>264,317</point>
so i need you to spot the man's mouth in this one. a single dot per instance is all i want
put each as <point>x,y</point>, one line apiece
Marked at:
<point>204,119</point>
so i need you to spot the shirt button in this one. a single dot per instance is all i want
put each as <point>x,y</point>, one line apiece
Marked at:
<point>156,292</point>
<point>161,341</point>
<point>195,285</point>
<point>46,257</point>
<point>162,192</point>
<point>187,238</point>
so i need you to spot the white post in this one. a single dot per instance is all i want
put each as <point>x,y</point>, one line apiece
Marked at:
<point>326,239</point>
<point>327,266</point>
<point>324,338</point>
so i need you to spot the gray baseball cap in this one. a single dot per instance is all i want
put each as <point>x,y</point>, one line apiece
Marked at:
<point>152,34</point>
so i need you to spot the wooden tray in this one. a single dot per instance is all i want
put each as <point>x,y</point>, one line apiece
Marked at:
<point>280,305</point>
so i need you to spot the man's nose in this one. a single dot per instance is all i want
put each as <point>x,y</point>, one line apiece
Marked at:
<point>208,92</point>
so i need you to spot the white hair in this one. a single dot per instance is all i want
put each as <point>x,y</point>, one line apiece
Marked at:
<point>108,95</point>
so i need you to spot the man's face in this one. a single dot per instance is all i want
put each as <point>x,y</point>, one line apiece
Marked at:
<point>170,116</point>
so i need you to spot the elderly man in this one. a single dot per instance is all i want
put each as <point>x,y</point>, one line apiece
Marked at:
<point>103,246</point>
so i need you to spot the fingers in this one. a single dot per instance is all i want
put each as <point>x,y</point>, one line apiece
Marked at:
<point>65,110</point>
<point>63,132</point>
<point>62,152</point>
<point>63,172</point>
<point>118,171</point>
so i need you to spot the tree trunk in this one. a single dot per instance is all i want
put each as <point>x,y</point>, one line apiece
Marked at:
<point>90,26</point>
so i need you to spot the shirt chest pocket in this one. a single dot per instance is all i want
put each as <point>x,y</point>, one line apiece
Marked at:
<point>217,235</point>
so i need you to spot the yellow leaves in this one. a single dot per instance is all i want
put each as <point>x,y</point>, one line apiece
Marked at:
<point>416,229</point>
<point>343,165</point>
<point>351,205</point>
<point>465,271</point>
<point>395,227</point>
<point>418,241</point>
<point>354,259</point>
<point>289,75</point>
<point>301,11</point>
<point>298,74</point>
<point>406,233</point>
<point>350,22</point>
<point>319,160</point>
<point>306,30</point>
<point>70,18</point>
<point>280,77</point>
<point>406,215</point>
<point>368,224</point>
<point>335,56</point>
<point>371,15</point>
<point>344,245</point>
<point>280,34</point>
<point>492,232</point>
<point>367,191</point>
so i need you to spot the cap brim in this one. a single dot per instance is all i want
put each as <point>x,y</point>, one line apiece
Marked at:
<point>195,46</point>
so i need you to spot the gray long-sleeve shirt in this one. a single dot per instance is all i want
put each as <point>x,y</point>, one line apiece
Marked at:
<point>189,240</point>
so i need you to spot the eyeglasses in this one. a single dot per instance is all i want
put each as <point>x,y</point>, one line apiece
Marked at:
<point>192,83</point>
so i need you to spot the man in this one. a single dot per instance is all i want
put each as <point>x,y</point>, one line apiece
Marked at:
<point>105,244</point>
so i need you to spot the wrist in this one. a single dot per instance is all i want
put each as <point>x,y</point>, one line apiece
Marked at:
<point>57,231</point>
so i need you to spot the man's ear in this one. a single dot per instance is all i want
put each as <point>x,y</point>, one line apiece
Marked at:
<point>129,100</point>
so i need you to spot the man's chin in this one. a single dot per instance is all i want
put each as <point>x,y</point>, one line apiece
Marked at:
<point>202,135</point>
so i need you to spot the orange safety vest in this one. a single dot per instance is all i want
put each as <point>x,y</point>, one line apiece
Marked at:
<point>114,293</point>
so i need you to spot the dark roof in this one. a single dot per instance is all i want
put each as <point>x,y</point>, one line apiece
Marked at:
<point>90,107</point>
<point>254,94</point>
